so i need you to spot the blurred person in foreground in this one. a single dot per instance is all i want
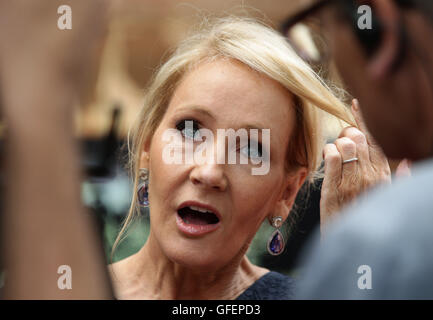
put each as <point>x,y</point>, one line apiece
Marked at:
<point>381,249</point>
<point>44,73</point>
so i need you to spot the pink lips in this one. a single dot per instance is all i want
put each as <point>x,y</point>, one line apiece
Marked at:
<point>196,229</point>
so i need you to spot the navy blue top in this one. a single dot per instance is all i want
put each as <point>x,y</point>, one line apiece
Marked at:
<point>271,286</point>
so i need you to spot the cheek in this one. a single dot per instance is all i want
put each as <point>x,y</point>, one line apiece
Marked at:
<point>255,196</point>
<point>253,202</point>
<point>163,177</point>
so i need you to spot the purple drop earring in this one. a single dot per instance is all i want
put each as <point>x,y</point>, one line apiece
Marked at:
<point>143,188</point>
<point>276,240</point>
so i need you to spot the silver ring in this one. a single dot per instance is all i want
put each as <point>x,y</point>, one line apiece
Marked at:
<point>350,160</point>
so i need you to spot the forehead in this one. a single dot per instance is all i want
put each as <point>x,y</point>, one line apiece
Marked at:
<point>235,94</point>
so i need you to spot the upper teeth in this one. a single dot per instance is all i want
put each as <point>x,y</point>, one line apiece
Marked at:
<point>199,209</point>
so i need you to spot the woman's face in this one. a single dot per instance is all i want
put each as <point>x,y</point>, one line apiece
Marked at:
<point>222,94</point>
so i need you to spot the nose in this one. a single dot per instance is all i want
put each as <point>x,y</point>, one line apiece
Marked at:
<point>210,176</point>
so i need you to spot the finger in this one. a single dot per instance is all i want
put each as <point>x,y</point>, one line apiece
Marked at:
<point>332,158</point>
<point>403,169</point>
<point>377,157</point>
<point>357,114</point>
<point>362,148</point>
<point>347,149</point>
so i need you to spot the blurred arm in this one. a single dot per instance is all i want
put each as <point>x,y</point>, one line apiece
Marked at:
<point>44,224</point>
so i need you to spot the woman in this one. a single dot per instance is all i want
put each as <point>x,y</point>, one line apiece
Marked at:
<point>235,73</point>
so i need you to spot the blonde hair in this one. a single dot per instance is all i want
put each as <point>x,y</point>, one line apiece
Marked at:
<point>264,50</point>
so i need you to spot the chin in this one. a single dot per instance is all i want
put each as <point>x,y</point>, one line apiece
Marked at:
<point>195,258</point>
<point>197,262</point>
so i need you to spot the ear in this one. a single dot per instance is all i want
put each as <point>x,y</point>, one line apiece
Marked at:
<point>292,185</point>
<point>383,60</point>
<point>144,160</point>
<point>144,156</point>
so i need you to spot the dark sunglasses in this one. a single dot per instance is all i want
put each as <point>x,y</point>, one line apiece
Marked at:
<point>304,32</point>
<point>303,14</point>
<point>319,52</point>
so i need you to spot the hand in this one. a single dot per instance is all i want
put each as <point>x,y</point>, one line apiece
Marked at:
<point>342,183</point>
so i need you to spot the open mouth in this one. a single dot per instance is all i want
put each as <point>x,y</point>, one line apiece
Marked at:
<point>197,216</point>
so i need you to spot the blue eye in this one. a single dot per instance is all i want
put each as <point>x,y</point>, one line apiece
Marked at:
<point>252,151</point>
<point>190,129</point>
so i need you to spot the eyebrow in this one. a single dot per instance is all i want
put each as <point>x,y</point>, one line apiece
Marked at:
<point>202,110</point>
<point>197,108</point>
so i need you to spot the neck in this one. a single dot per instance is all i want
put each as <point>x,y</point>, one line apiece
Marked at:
<point>157,277</point>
